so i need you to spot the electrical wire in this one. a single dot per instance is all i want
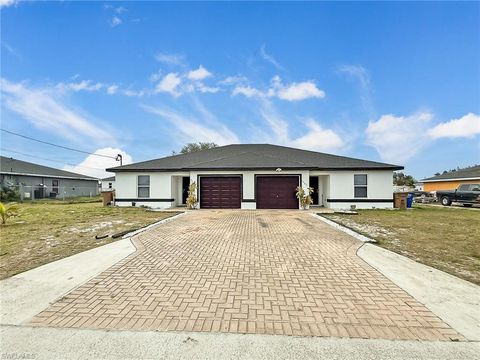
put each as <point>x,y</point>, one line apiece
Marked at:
<point>59,146</point>
<point>42,158</point>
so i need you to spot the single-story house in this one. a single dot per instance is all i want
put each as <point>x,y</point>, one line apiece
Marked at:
<point>453,179</point>
<point>35,181</point>
<point>255,176</point>
<point>108,183</point>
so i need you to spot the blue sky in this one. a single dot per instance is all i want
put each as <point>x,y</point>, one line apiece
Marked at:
<point>393,82</point>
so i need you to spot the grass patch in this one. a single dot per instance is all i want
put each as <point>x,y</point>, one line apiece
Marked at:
<point>47,231</point>
<point>444,238</point>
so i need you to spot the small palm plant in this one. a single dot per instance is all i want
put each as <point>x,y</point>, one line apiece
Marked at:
<point>304,197</point>
<point>192,200</point>
<point>7,211</point>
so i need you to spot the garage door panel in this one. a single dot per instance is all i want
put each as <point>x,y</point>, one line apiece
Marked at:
<point>277,192</point>
<point>220,192</point>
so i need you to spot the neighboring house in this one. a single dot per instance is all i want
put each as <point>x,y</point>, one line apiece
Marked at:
<point>257,176</point>
<point>452,179</point>
<point>108,183</point>
<point>35,181</point>
<point>419,186</point>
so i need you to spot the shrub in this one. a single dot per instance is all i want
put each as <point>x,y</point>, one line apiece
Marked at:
<point>9,193</point>
<point>304,196</point>
<point>192,200</point>
<point>7,211</point>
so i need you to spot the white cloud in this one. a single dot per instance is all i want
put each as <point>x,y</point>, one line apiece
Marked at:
<point>120,10</point>
<point>315,138</point>
<point>169,84</point>
<point>269,58</point>
<point>207,89</point>
<point>133,93</point>
<point>247,91</point>
<point>44,109</point>
<point>171,59</point>
<point>232,80</point>
<point>300,91</point>
<point>84,85</point>
<point>399,138</point>
<point>115,21</point>
<point>112,89</point>
<point>291,92</point>
<point>466,127</point>
<point>360,74</point>
<point>11,50</point>
<point>192,129</point>
<point>91,164</point>
<point>7,3</point>
<point>318,139</point>
<point>199,74</point>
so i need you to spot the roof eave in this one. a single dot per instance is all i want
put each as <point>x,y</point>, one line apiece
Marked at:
<point>346,168</point>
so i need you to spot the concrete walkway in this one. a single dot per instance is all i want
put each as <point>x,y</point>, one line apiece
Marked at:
<point>24,295</point>
<point>53,343</point>
<point>455,301</point>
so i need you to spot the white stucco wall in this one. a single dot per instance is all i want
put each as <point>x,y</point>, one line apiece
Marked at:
<point>332,185</point>
<point>379,186</point>
<point>105,185</point>
<point>160,188</point>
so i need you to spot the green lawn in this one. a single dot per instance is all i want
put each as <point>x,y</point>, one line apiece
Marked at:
<point>47,231</point>
<point>444,238</point>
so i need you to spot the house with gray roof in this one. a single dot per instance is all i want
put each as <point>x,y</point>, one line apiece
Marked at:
<point>452,179</point>
<point>255,176</point>
<point>35,181</point>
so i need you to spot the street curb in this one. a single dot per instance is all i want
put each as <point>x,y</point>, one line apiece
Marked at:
<point>345,229</point>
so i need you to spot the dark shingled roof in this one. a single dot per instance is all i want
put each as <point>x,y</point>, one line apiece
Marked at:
<point>471,172</point>
<point>254,156</point>
<point>19,167</point>
<point>111,178</point>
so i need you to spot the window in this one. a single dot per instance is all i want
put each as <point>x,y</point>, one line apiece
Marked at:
<point>475,187</point>
<point>109,185</point>
<point>360,185</point>
<point>143,182</point>
<point>55,186</point>
<point>463,187</point>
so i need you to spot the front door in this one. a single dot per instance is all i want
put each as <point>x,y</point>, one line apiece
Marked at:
<point>314,184</point>
<point>185,185</point>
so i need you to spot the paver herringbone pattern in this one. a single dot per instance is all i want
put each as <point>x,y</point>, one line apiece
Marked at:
<point>273,272</point>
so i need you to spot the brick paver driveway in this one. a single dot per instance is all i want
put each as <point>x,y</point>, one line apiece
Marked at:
<point>273,272</point>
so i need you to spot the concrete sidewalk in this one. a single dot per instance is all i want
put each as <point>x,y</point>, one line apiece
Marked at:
<point>53,343</point>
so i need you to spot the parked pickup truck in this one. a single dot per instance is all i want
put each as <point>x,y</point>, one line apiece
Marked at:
<point>466,194</point>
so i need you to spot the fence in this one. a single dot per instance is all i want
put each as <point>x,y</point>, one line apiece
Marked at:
<point>42,192</point>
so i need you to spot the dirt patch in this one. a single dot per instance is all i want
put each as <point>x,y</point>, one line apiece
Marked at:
<point>45,232</point>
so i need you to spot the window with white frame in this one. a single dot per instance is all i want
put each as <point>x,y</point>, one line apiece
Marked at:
<point>143,185</point>
<point>360,185</point>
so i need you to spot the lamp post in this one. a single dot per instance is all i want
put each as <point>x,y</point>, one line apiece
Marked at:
<point>119,158</point>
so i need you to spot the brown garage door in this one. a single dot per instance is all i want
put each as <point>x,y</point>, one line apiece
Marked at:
<point>277,192</point>
<point>220,192</point>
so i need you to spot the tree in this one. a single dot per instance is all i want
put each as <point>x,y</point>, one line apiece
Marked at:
<point>198,146</point>
<point>400,179</point>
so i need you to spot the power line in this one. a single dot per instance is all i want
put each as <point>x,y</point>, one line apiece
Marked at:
<point>59,146</point>
<point>42,158</point>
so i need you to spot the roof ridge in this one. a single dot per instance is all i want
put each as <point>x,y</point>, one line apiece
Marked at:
<point>220,158</point>
<point>280,158</point>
